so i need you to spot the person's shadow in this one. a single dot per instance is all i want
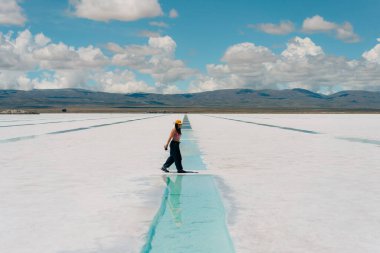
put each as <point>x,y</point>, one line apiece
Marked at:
<point>173,201</point>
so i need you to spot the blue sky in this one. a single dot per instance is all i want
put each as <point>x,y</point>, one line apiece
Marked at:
<point>207,45</point>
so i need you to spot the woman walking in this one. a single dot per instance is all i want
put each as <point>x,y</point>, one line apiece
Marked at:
<point>175,153</point>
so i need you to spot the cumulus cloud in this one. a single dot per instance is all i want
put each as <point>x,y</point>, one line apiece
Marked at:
<point>15,53</point>
<point>156,59</point>
<point>373,55</point>
<point>123,10</point>
<point>318,24</point>
<point>57,79</point>
<point>13,79</point>
<point>300,48</point>
<point>173,13</point>
<point>41,40</point>
<point>303,64</point>
<point>170,89</point>
<point>120,81</point>
<point>285,27</point>
<point>26,52</point>
<point>246,60</point>
<point>61,56</point>
<point>116,81</point>
<point>247,53</point>
<point>30,61</point>
<point>242,64</point>
<point>166,43</point>
<point>11,13</point>
<point>55,65</point>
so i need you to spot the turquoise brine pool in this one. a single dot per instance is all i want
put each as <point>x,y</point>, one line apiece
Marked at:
<point>191,217</point>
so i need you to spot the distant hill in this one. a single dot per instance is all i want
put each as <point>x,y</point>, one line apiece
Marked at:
<point>229,98</point>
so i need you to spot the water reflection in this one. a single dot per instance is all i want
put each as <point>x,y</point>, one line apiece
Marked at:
<point>173,201</point>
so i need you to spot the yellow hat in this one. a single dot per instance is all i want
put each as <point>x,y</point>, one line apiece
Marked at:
<point>178,121</point>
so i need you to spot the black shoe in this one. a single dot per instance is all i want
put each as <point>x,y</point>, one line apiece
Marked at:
<point>165,169</point>
<point>181,171</point>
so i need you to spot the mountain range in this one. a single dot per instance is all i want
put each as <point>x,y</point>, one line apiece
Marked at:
<point>228,98</point>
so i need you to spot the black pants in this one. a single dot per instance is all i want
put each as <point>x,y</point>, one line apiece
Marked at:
<point>175,156</point>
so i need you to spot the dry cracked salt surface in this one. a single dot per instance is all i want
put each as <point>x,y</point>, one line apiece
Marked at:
<point>91,182</point>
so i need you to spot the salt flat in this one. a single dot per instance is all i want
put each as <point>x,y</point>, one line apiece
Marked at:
<point>93,190</point>
<point>289,191</point>
<point>97,189</point>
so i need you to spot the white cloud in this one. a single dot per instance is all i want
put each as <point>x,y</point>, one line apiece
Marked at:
<point>62,66</point>
<point>61,56</point>
<point>285,27</point>
<point>166,43</point>
<point>15,53</point>
<point>173,13</point>
<point>346,33</point>
<point>244,64</point>
<point>54,79</point>
<point>116,81</point>
<point>123,10</point>
<point>245,60</point>
<point>114,48</point>
<point>171,89</point>
<point>27,52</point>
<point>41,40</point>
<point>303,64</point>
<point>120,81</point>
<point>33,61</point>
<point>12,79</point>
<point>247,53</point>
<point>60,79</point>
<point>58,65</point>
<point>317,24</point>
<point>11,13</point>
<point>298,47</point>
<point>156,59</point>
<point>373,55</point>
